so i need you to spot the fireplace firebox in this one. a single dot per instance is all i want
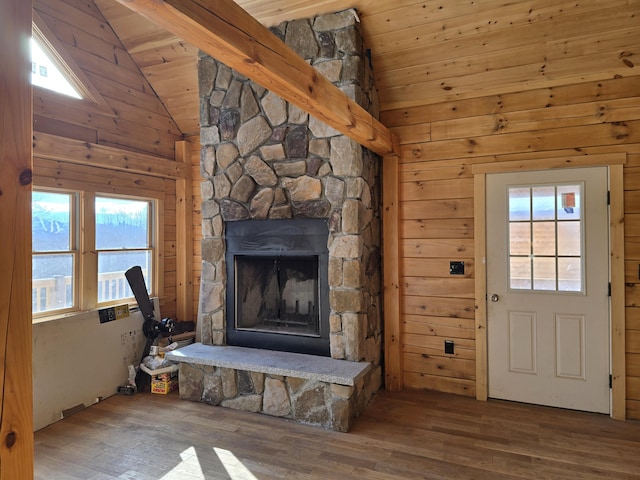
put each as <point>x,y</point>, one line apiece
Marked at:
<point>277,285</point>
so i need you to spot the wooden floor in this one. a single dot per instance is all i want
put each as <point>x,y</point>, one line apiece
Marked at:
<point>400,436</point>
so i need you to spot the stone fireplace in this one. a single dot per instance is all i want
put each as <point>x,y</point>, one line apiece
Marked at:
<point>268,170</point>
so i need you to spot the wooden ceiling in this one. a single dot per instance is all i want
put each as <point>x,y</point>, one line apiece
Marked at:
<point>170,63</point>
<point>423,52</point>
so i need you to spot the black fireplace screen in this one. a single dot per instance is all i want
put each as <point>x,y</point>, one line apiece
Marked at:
<point>277,294</point>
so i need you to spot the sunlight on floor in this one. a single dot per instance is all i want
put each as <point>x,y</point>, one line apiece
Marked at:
<point>190,468</point>
<point>233,466</point>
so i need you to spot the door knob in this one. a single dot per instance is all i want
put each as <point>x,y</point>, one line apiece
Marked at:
<point>494,297</point>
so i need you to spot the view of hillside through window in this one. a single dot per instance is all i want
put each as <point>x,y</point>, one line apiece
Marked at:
<point>123,240</point>
<point>54,247</point>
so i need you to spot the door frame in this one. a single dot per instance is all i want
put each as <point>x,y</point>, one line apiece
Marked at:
<point>615,163</point>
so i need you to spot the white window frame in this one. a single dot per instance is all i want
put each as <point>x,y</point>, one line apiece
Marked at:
<point>150,244</point>
<point>86,267</point>
<point>75,250</point>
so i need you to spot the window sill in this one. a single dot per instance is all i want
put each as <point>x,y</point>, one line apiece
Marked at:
<point>54,317</point>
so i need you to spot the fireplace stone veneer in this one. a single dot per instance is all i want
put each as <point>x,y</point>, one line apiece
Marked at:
<point>265,159</point>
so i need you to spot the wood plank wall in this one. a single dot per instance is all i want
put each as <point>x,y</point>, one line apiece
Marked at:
<point>133,117</point>
<point>61,173</point>
<point>500,86</point>
<point>437,209</point>
<point>130,119</point>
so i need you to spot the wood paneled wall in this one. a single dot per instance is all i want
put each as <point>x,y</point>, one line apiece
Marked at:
<point>499,86</point>
<point>132,117</point>
<point>68,173</point>
<point>437,211</point>
<point>126,118</point>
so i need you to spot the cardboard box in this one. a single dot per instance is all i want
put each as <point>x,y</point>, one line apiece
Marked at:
<point>164,386</point>
<point>163,380</point>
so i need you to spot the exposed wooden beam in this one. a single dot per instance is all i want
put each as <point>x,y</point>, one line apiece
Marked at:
<point>228,33</point>
<point>16,389</point>
<point>76,151</point>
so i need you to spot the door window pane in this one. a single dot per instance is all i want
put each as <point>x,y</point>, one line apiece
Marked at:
<point>568,199</point>
<point>520,238</point>
<point>569,241</point>
<point>544,273</point>
<point>569,274</point>
<point>519,204</point>
<point>546,238</point>
<point>520,273</point>
<point>543,203</point>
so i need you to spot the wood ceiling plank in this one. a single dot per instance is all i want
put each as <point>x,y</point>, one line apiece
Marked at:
<point>167,50</point>
<point>612,89</point>
<point>62,36</point>
<point>516,30</point>
<point>73,16</point>
<point>274,12</point>
<point>507,80</point>
<point>229,34</point>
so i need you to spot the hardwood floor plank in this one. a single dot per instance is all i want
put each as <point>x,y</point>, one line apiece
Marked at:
<point>406,435</point>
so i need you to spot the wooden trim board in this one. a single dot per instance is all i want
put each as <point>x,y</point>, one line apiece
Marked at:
<point>392,275</point>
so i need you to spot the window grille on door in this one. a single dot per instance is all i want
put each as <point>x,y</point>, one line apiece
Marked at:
<point>546,238</point>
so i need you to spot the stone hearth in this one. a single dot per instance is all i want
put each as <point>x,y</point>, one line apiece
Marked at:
<point>308,389</point>
<point>263,158</point>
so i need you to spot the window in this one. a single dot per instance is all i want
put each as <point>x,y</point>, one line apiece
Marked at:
<point>54,69</point>
<point>45,73</point>
<point>80,268</point>
<point>545,238</point>
<point>122,241</point>
<point>55,254</point>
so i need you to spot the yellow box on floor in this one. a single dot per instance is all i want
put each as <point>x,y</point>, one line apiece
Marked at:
<point>164,386</point>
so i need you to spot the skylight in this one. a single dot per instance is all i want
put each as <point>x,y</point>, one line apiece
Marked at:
<point>45,74</point>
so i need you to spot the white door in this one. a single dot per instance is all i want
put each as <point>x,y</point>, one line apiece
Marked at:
<point>547,288</point>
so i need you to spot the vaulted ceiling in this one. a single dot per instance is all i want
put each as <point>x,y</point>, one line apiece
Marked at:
<point>169,63</point>
<point>423,52</point>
